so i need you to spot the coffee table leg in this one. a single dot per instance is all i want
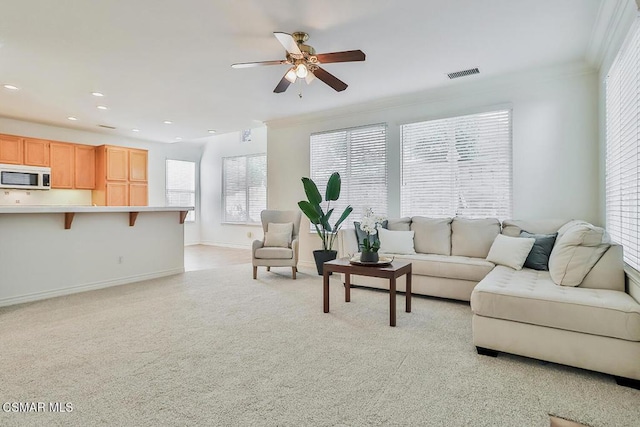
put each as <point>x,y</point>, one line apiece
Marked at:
<point>392,301</point>
<point>325,279</point>
<point>408,297</point>
<point>347,287</point>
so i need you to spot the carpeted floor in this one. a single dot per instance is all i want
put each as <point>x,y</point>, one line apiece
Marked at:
<point>215,347</point>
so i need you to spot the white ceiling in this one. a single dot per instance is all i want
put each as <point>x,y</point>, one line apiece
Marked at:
<point>171,60</point>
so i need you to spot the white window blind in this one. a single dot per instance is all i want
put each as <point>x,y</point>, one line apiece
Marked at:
<point>457,166</point>
<point>359,155</point>
<point>244,188</point>
<point>181,185</point>
<point>622,108</point>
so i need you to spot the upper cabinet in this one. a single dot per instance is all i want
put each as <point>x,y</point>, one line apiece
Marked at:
<point>138,165</point>
<point>121,177</point>
<point>36,152</point>
<point>62,165</point>
<point>11,149</point>
<point>117,163</point>
<point>85,167</point>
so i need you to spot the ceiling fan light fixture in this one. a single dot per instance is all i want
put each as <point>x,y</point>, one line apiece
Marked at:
<point>302,71</point>
<point>291,75</point>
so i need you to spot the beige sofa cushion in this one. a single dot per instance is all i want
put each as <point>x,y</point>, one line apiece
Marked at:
<point>449,267</point>
<point>576,252</point>
<point>513,227</point>
<point>399,224</point>
<point>432,235</point>
<point>530,296</point>
<point>473,237</point>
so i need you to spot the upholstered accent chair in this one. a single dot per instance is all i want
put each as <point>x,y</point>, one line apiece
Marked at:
<point>279,247</point>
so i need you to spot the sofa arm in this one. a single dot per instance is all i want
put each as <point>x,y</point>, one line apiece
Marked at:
<point>347,243</point>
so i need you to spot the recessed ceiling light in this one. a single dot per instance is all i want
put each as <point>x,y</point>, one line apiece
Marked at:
<point>179,138</point>
<point>102,107</point>
<point>97,94</point>
<point>135,130</point>
<point>167,122</point>
<point>11,87</point>
<point>211,131</point>
<point>72,118</point>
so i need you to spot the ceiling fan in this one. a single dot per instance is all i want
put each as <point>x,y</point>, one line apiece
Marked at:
<point>305,63</point>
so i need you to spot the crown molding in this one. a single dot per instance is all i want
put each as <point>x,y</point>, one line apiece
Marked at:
<point>606,29</point>
<point>442,93</point>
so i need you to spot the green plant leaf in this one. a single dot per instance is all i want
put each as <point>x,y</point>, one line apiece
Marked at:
<point>333,187</point>
<point>311,190</point>
<point>311,211</point>
<point>345,214</point>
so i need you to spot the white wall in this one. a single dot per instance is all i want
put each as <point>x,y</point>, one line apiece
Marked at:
<point>555,141</point>
<point>213,230</point>
<point>158,153</point>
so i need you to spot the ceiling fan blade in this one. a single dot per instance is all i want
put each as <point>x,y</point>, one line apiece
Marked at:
<point>287,41</point>
<point>258,64</point>
<point>337,84</point>
<point>346,56</point>
<point>284,84</point>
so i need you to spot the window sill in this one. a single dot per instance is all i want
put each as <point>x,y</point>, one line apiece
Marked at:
<point>246,224</point>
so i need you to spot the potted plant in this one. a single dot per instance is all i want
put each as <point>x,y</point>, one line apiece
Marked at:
<point>320,219</point>
<point>370,244</point>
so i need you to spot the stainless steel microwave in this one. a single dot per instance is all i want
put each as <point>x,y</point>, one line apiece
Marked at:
<point>25,177</point>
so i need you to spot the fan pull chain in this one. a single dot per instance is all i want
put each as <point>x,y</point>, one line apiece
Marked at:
<point>300,88</point>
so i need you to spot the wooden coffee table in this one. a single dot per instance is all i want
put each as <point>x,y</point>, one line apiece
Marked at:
<point>391,272</point>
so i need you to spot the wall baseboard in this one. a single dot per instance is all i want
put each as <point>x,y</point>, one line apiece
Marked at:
<point>37,296</point>
<point>225,245</point>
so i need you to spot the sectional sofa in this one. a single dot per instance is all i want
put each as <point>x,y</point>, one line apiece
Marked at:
<point>578,314</point>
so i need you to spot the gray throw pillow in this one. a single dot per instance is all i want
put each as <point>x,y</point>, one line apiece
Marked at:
<point>361,235</point>
<point>538,258</point>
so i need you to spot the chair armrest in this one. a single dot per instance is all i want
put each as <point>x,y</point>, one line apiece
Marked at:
<point>294,246</point>
<point>257,244</point>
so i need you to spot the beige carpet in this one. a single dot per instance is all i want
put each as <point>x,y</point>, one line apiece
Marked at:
<point>214,347</point>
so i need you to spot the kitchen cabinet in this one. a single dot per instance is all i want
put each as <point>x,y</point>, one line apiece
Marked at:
<point>121,177</point>
<point>36,152</point>
<point>117,163</point>
<point>11,149</point>
<point>62,165</point>
<point>138,194</point>
<point>138,165</point>
<point>85,167</point>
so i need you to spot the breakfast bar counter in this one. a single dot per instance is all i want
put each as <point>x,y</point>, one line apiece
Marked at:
<point>48,251</point>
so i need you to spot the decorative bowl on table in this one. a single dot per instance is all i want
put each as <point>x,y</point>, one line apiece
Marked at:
<point>383,261</point>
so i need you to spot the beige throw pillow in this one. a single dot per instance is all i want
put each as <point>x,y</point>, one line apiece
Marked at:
<point>278,233</point>
<point>396,242</point>
<point>277,240</point>
<point>576,252</point>
<point>510,251</point>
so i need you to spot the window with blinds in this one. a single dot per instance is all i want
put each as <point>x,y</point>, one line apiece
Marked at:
<point>181,185</point>
<point>359,155</point>
<point>622,155</point>
<point>458,166</point>
<point>244,188</point>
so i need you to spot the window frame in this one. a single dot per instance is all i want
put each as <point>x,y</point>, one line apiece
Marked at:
<point>190,218</point>
<point>358,210</point>
<point>506,107</point>
<point>223,212</point>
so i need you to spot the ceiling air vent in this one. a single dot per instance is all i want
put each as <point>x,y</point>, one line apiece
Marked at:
<point>106,127</point>
<point>463,73</point>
